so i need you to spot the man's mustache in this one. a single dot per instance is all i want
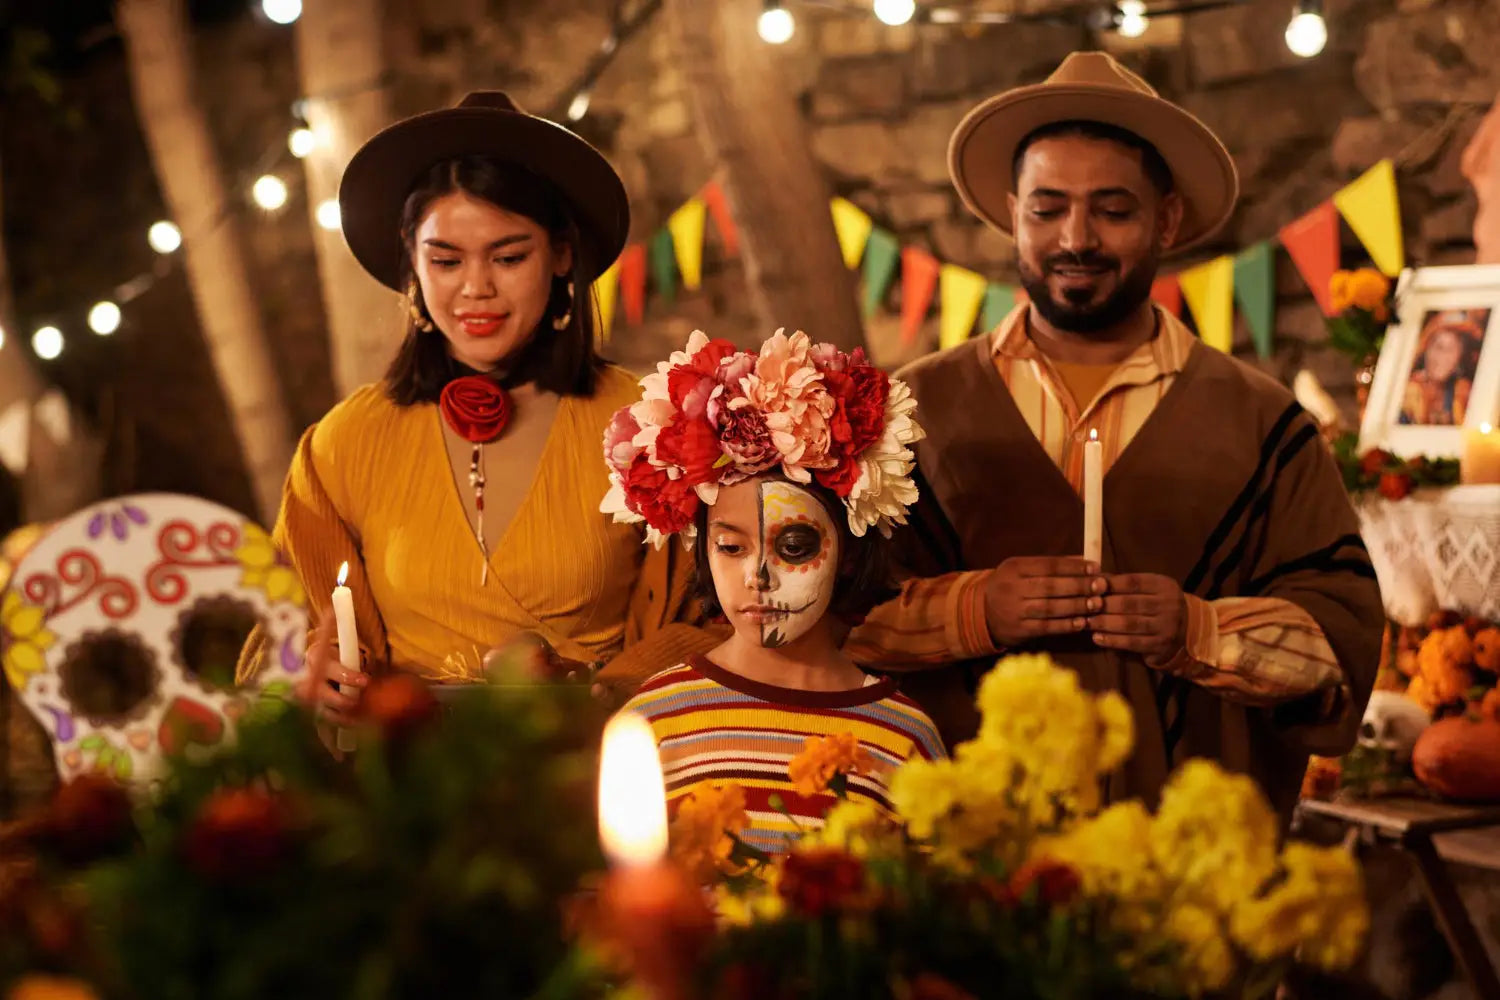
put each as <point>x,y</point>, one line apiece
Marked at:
<point>1092,261</point>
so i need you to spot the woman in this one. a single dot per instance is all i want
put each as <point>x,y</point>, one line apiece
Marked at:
<point>461,491</point>
<point>1442,378</point>
<point>770,463</point>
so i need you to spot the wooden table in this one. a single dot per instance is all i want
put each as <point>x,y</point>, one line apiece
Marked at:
<point>1434,834</point>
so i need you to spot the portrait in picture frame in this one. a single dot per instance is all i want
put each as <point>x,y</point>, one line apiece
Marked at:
<point>1439,368</point>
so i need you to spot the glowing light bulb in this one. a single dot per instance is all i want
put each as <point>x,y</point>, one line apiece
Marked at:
<point>164,237</point>
<point>104,318</point>
<point>302,142</point>
<point>1307,33</point>
<point>776,25</point>
<point>282,11</point>
<point>1132,25</point>
<point>895,12</point>
<point>579,106</point>
<point>269,192</point>
<point>47,342</point>
<point>328,215</point>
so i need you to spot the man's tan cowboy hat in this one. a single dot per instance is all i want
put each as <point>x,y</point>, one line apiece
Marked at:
<point>486,123</point>
<point>1092,86</point>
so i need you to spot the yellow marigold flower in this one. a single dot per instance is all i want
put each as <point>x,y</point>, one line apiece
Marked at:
<point>858,826</point>
<point>1111,852</point>
<point>822,758</point>
<point>41,987</point>
<point>1368,289</point>
<point>27,641</point>
<point>263,568</point>
<point>1318,909</point>
<point>1118,737</point>
<point>958,805</point>
<point>1214,834</point>
<point>758,904</point>
<point>1419,692</point>
<point>1339,292</point>
<point>1206,962</point>
<point>700,834</point>
<point>1441,664</point>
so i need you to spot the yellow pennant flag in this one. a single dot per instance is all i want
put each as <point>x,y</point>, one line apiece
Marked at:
<point>686,227</point>
<point>1370,207</point>
<point>960,293</point>
<point>1209,290</point>
<point>606,289</point>
<point>853,228</point>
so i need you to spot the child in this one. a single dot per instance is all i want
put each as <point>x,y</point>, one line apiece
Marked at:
<point>774,466</point>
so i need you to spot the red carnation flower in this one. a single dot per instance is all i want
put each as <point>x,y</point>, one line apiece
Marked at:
<point>1394,485</point>
<point>692,445</point>
<point>690,385</point>
<point>821,880</point>
<point>841,478</point>
<point>1373,461</point>
<point>865,405</point>
<point>1055,882</point>
<point>668,505</point>
<point>747,441</point>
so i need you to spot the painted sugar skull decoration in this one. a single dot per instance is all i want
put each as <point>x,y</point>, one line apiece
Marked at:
<point>122,625</point>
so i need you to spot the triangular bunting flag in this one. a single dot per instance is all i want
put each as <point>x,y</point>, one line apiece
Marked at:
<point>881,253</point>
<point>1167,293</point>
<point>1209,290</point>
<point>686,227</point>
<point>1370,207</point>
<point>606,290</point>
<point>1313,243</point>
<point>960,291</point>
<point>919,275</point>
<point>632,265</point>
<point>853,228</point>
<point>664,265</point>
<point>999,300</point>
<point>718,207</point>
<point>1255,290</point>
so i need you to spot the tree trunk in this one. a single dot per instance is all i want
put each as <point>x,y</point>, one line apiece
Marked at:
<point>158,47</point>
<point>753,132</point>
<point>341,66</point>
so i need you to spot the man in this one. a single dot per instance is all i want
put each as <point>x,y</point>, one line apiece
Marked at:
<point>1235,606</point>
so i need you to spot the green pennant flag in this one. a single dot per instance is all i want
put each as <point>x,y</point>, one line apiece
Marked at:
<point>998,301</point>
<point>664,264</point>
<point>881,253</point>
<point>1255,289</point>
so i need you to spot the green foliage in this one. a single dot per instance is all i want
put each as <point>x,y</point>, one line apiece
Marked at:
<point>1362,471</point>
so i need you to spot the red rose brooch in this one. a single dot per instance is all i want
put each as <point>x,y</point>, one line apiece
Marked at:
<point>477,409</point>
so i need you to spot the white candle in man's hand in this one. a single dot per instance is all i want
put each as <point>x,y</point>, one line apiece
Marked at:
<point>1093,499</point>
<point>343,614</point>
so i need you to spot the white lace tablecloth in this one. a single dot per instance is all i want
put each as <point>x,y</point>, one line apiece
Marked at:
<point>1436,550</point>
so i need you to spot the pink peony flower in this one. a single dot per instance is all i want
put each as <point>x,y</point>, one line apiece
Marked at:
<point>619,447</point>
<point>789,390</point>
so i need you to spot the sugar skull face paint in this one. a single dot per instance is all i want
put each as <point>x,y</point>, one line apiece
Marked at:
<point>774,554</point>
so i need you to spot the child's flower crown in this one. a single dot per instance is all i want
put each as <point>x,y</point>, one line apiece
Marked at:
<point>712,416</point>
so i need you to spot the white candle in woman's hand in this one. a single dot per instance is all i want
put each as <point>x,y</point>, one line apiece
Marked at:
<point>343,614</point>
<point>1093,500</point>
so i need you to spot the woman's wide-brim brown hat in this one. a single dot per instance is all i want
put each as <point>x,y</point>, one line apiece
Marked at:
<point>486,123</point>
<point>1092,86</point>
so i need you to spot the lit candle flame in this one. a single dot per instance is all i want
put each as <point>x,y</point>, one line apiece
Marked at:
<point>1485,428</point>
<point>632,794</point>
<point>343,573</point>
<point>1093,434</point>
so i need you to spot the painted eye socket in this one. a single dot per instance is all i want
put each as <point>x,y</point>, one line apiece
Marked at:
<point>797,544</point>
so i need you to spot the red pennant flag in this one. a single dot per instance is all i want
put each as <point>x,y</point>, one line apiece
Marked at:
<point>718,207</point>
<point>919,275</point>
<point>633,282</point>
<point>1313,242</point>
<point>1167,293</point>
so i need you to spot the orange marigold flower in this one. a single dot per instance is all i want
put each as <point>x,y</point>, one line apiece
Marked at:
<point>1368,289</point>
<point>822,758</point>
<point>1339,291</point>
<point>701,836</point>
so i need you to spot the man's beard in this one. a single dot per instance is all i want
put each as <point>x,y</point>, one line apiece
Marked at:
<point>1083,317</point>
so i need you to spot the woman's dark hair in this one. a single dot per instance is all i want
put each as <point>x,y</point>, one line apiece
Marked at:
<point>561,361</point>
<point>866,576</point>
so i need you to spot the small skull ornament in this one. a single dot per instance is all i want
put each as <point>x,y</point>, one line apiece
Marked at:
<point>1392,722</point>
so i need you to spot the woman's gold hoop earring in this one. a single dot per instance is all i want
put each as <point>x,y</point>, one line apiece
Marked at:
<point>561,322</point>
<point>418,315</point>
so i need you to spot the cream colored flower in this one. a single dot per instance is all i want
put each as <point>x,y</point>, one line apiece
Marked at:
<point>884,490</point>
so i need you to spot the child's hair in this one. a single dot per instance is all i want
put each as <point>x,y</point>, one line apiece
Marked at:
<point>866,576</point>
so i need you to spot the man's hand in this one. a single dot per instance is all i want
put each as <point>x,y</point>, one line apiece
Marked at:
<point>1029,597</point>
<point>1143,613</point>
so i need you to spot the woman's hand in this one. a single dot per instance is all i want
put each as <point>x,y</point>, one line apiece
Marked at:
<point>319,689</point>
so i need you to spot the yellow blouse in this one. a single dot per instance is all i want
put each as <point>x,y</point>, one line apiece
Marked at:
<point>371,485</point>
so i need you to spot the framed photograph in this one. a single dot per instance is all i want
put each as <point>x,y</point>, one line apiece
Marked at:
<point>1439,369</point>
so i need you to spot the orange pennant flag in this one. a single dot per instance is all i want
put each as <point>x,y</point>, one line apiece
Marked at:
<point>1167,293</point>
<point>1313,243</point>
<point>919,275</point>
<point>718,207</point>
<point>632,269</point>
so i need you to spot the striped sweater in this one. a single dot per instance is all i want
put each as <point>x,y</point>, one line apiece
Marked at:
<point>716,726</point>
